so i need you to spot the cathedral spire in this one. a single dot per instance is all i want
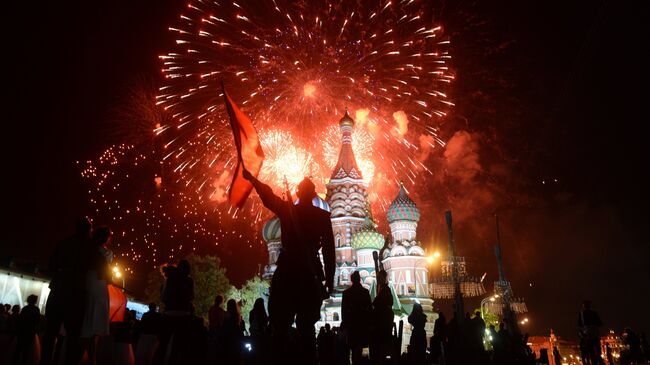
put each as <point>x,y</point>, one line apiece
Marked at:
<point>347,164</point>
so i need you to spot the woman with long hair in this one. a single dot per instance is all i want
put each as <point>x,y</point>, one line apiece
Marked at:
<point>259,326</point>
<point>259,320</point>
<point>233,327</point>
<point>96,316</point>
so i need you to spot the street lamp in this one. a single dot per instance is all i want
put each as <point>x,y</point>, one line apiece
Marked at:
<point>429,260</point>
<point>433,257</point>
<point>118,274</point>
<point>485,300</point>
<point>524,321</point>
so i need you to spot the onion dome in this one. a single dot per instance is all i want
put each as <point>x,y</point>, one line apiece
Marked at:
<point>367,237</point>
<point>402,208</point>
<point>346,120</point>
<point>318,203</point>
<point>271,229</point>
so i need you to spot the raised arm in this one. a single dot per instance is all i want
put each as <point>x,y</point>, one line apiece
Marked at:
<point>271,201</point>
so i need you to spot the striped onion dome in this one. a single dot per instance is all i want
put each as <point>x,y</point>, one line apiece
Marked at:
<point>318,203</point>
<point>367,237</point>
<point>271,229</point>
<point>402,208</point>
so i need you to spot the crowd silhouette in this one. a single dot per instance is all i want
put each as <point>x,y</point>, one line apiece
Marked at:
<point>77,316</point>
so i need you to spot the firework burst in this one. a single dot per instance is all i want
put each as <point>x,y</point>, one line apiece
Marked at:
<point>285,161</point>
<point>295,67</point>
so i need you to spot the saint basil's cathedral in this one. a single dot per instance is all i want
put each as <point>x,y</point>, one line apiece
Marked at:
<point>356,238</point>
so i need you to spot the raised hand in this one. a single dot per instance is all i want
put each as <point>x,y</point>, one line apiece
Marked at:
<point>247,175</point>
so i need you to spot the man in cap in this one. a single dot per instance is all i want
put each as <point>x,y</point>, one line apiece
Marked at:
<point>299,284</point>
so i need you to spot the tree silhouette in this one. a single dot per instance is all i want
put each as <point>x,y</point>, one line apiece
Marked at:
<point>253,288</point>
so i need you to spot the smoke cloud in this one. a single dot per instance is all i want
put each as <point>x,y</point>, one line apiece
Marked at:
<point>361,116</point>
<point>427,144</point>
<point>220,185</point>
<point>402,122</point>
<point>462,157</point>
<point>364,122</point>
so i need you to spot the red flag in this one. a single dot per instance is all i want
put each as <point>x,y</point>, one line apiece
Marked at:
<point>117,301</point>
<point>249,152</point>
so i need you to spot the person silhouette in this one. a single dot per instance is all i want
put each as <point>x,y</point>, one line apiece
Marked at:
<point>97,313</point>
<point>320,345</point>
<point>150,321</point>
<point>259,330</point>
<point>26,329</point>
<point>418,342</point>
<point>4,318</point>
<point>233,328</point>
<point>477,332</point>
<point>502,345</point>
<point>543,357</point>
<point>439,339</point>
<point>645,346</point>
<point>355,312</point>
<point>557,357</point>
<point>588,330</point>
<point>216,317</point>
<point>632,342</point>
<point>258,319</point>
<point>382,321</point>
<point>306,229</point>
<point>177,295</point>
<point>66,301</point>
<point>216,314</point>
<point>326,341</point>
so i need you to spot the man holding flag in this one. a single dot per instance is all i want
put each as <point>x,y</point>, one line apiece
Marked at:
<point>299,284</point>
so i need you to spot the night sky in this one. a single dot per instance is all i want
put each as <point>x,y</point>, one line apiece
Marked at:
<point>550,99</point>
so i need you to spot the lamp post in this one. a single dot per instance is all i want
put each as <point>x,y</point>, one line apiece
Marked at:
<point>485,300</point>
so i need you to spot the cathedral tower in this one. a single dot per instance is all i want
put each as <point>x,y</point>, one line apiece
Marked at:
<point>405,262</point>
<point>404,258</point>
<point>347,198</point>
